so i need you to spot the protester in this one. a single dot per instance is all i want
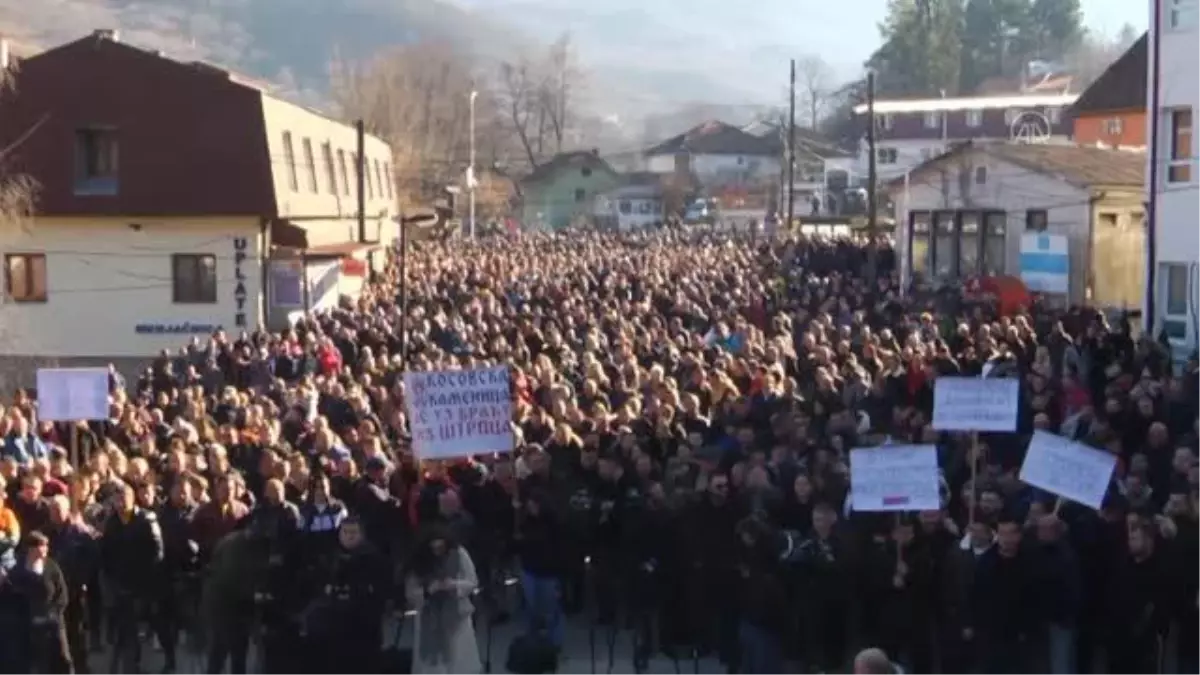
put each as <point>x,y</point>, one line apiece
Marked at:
<point>684,404</point>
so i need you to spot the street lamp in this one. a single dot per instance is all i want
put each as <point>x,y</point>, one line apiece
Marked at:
<point>471,181</point>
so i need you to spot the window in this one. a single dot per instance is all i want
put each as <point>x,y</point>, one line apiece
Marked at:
<point>1180,169</point>
<point>341,154</point>
<point>919,245</point>
<point>1182,14</point>
<point>311,163</point>
<point>625,207</point>
<point>1036,220</point>
<point>388,180</point>
<point>330,176</point>
<point>884,121</point>
<point>96,161</point>
<point>974,118</point>
<point>1174,299</point>
<point>194,278</point>
<point>586,171</point>
<point>933,120</point>
<point>968,243</point>
<point>995,245</point>
<point>1113,126</point>
<point>1054,115</point>
<point>364,165</point>
<point>289,156</point>
<point>25,277</point>
<point>944,245</point>
<point>580,195</point>
<point>886,155</point>
<point>981,175</point>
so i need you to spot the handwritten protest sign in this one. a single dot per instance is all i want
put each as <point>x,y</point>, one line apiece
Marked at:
<point>894,478</point>
<point>458,413</point>
<point>975,404</point>
<point>1068,469</point>
<point>70,394</point>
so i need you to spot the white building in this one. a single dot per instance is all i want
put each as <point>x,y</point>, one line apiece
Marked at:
<point>188,200</point>
<point>963,214</point>
<point>718,153</point>
<point>911,131</point>
<point>1174,92</point>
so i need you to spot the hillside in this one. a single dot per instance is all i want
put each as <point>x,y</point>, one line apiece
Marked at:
<point>291,42</point>
<point>287,42</point>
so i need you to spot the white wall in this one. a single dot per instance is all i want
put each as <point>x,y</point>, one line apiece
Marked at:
<point>1011,189</point>
<point>328,200</point>
<point>709,167</point>
<point>643,209</point>
<point>109,285</point>
<point>1177,209</point>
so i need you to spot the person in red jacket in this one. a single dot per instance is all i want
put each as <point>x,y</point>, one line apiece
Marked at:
<point>329,358</point>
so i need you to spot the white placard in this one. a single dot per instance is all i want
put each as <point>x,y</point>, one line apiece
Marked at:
<point>895,478</point>
<point>975,404</point>
<point>1068,469</point>
<point>459,413</point>
<point>72,394</point>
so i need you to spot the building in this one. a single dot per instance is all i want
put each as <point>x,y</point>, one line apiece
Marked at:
<point>909,132</point>
<point>720,154</point>
<point>1173,272</point>
<point>636,203</point>
<point>1112,112</point>
<point>563,190</point>
<point>174,199</point>
<point>963,214</point>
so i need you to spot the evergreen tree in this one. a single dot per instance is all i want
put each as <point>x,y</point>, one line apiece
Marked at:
<point>1055,28</point>
<point>922,41</point>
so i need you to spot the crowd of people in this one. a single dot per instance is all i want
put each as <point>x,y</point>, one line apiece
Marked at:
<point>683,407</point>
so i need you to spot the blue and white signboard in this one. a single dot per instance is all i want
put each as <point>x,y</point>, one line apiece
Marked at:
<point>1045,263</point>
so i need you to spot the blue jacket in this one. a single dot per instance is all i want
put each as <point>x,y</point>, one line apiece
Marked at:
<point>24,449</point>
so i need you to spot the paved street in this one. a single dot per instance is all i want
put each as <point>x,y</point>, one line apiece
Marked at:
<point>577,654</point>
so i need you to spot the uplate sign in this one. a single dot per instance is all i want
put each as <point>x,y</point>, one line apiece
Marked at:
<point>240,295</point>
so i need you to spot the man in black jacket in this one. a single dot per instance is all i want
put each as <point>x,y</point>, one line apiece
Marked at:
<point>1057,587</point>
<point>41,582</point>
<point>179,590</point>
<point>131,552</point>
<point>1000,602</point>
<point>1138,611</point>
<point>73,546</point>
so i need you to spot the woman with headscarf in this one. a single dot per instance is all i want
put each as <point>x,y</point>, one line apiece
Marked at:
<point>439,584</point>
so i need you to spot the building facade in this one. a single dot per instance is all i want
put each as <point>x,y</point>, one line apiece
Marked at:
<point>720,154</point>
<point>1112,111</point>
<point>173,199</point>
<point>964,214</point>
<point>1173,269</point>
<point>909,132</point>
<point>565,189</point>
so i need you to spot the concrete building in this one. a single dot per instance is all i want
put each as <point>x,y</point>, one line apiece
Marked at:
<point>963,214</point>
<point>1173,269</point>
<point>173,199</point>
<point>911,131</point>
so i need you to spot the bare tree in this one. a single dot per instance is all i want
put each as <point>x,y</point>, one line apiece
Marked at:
<point>814,78</point>
<point>418,98</point>
<point>539,97</point>
<point>518,94</point>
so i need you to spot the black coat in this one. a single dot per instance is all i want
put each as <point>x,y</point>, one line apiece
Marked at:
<point>46,594</point>
<point>131,552</point>
<point>1001,601</point>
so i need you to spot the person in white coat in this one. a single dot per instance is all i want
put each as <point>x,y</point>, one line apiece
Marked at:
<point>438,587</point>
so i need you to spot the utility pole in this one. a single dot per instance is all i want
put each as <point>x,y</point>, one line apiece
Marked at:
<point>471,180</point>
<point>405,223</point>
<point>360,177</point>
<point>872,183</point>
<point>791,149</point>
